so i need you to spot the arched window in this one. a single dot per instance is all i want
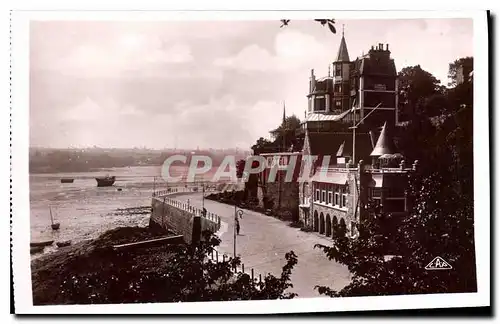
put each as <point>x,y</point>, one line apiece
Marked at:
<point>322,223</point>
<point>316,221</point>
<point>328,230</point>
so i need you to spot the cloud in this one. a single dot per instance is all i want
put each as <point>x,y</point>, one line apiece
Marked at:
<point>292,50</point>
<point>130,52</point>
<point>90,110</point>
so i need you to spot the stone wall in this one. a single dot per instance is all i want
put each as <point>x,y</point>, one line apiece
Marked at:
<point>182,219</point>
<point>289,200</point>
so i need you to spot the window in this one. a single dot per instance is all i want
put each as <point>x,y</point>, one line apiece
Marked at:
<point>344,201</point>
<point>394,193</point>
<point>395,205</point>
<point>337,200</point>
<point>319,104</point>
<point>330,198</point>
<point>338,103</point>
<point>338,70</point>
<point>375,193</point>
<point>323,196</point>
<point>316,197</point>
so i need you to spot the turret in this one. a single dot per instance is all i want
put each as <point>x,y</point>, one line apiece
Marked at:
<point>385,152</point>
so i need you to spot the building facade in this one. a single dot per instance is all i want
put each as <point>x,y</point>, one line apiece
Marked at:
<point>278,184</point>
<point>348,131</point>
<point>337,195</point>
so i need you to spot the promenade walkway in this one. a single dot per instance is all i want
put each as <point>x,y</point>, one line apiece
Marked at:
<point>263,242</point>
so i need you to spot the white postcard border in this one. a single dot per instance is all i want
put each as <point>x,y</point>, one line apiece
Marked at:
<point>20,177</point>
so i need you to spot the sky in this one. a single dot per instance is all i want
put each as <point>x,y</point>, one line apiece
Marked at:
<point>206,84</point>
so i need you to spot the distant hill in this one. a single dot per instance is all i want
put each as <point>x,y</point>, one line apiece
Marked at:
<point>48,160</point>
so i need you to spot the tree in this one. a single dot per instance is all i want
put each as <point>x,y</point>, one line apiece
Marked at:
<point>330,23</point>
<point>434,228</point>
<point>264,146</point>
<point>416,84</point>
<point>188,275</point>
<point>285,134</point>
<point>440,221</point>
<point>463,66</point>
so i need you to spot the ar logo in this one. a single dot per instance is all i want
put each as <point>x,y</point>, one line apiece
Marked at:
<point>438,263</point>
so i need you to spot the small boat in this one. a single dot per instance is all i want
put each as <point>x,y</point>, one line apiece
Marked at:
<point>41,244</point>
<point>63,243</point>
<point>36,249</point>
<point>119,189</point>
<point>54,226</point>
<point>106,181</point>
<point>67,180</point>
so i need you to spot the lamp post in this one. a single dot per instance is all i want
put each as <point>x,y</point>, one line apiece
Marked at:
<point>237,212</point>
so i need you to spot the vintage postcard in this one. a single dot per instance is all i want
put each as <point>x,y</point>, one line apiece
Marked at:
<point>177,162</point>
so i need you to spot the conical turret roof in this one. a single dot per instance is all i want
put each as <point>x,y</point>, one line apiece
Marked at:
<point>342,55</point>
<point>385,144</point>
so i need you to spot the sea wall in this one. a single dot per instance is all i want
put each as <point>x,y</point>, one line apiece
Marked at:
<point>180,218</point>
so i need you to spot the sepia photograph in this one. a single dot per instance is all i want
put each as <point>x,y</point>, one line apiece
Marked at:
<point>183,157</point>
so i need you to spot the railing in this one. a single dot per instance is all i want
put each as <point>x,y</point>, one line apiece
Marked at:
<point>162,195</point>
<point>215,256</point>
<point>173,190</point>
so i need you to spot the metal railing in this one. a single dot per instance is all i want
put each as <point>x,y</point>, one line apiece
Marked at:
<point>162,195</point>
<point>214,255</point>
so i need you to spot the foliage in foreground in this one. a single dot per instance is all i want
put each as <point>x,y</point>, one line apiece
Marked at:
<point>185,275</point>
<point>440,222</point>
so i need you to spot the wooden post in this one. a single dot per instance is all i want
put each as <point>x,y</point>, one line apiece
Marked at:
<point>224,258</point>
<point>252,273</point>
<point>217,256</point>
<point>260,277</point>
<point>243,267</point>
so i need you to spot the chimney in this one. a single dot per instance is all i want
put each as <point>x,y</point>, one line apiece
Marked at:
<point>386,47</point>
<point>312,82</point>
<point>380,46</point>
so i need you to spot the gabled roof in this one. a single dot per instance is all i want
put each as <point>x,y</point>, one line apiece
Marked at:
<point>385,144</point>
<point>342,55</point>
<point>322,143</point>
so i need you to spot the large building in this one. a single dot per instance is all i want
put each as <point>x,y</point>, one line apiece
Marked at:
<point>368,82</point>
<point>347,132</point>
<point>348,128</point>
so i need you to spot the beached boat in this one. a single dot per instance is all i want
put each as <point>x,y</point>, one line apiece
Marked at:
<point>41,243</point>
<point>36,249</point>
<point>63,243</point>
<point>67,180</point>
<point>105,181</point>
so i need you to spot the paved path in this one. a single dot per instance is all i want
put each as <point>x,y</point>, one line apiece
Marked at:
<point>263,242</point>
